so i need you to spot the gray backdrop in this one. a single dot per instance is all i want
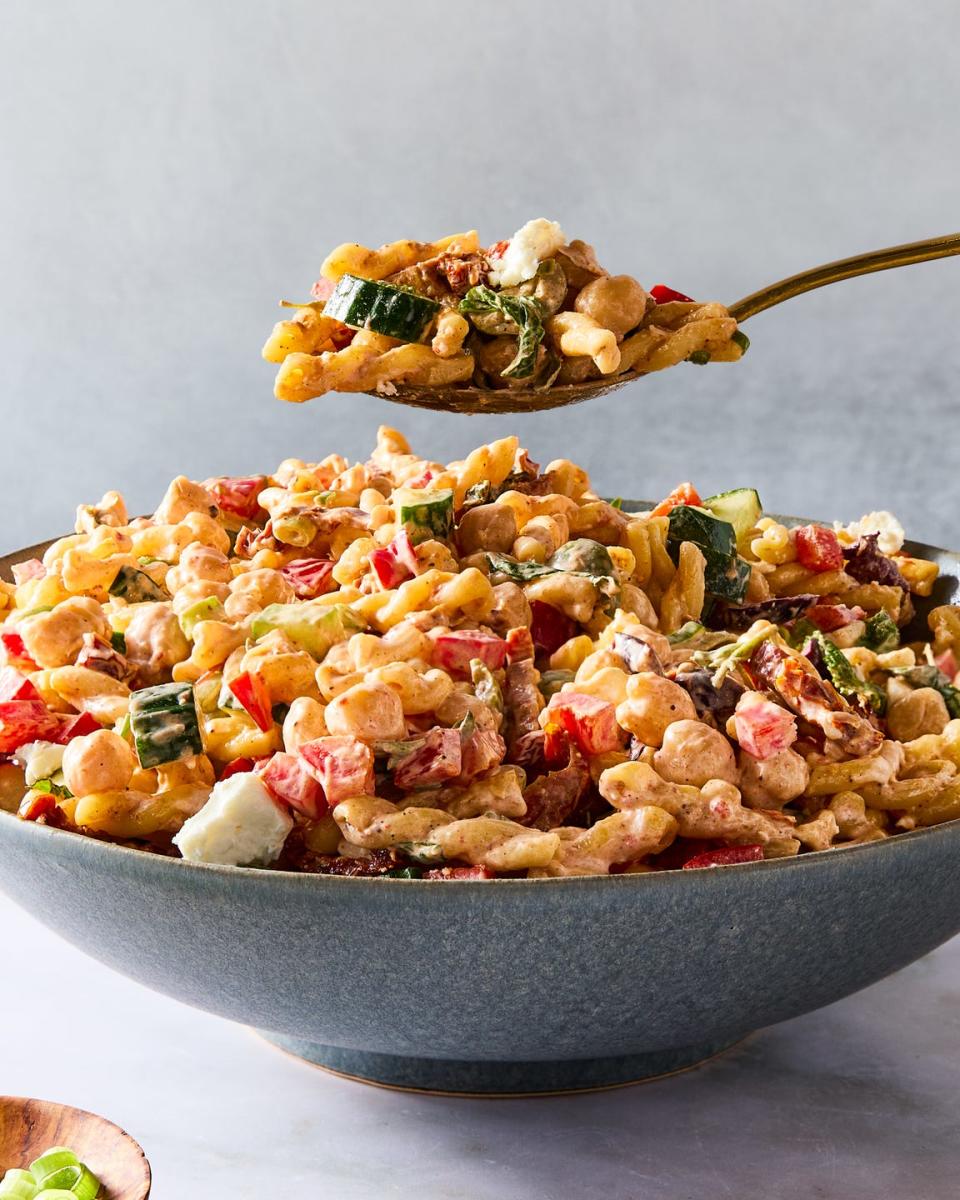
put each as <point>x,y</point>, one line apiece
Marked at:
<point>172,169</point>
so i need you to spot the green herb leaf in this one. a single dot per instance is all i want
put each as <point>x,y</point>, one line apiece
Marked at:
<point>881,633</point>
<point>49,788</point>
<point>526,314</point>
<point>845,677</point>
<point>404,873</point>
<point>118,641</point>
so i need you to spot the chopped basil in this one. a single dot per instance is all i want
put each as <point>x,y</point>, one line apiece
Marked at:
<point>740,339</point>
<point>404,873</point>
<point>881,633</point>
<point>525,312</point>
<point>845,678</point>
<point>699,358</point>
<point>118,641</point>
<point>49,788</point>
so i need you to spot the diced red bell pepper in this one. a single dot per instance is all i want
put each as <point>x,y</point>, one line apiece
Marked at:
<point>590,721</point>
<point>549,627</point>
<point>343,766</point>
<point>436,760</point>
<point>252,692</point>
<point>14,686</point>
<point>519,644</point>
<point>395,563</point>
<point>482,750</point>
<point>23,721</point>
<point>288,780</point>
<point>30,568</point>
<point>36,805</point>
<point>947,663</point>
<point>829,617</point>
<point>75,726</point>
<point>683,493</point>
<point>309,577</point>
<point>497,250</point>
<point>238,766</point>
<point>726,857</point>
<point>15,651</point>
<point>762,727</point>
<point>480,872</point>
<point>818,549</point>
<point>454,648</point>
<point>323,289</point>
<point>663,294</point>
<point>238,495</point>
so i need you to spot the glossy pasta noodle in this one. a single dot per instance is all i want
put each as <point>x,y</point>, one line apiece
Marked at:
<point>475,669</point>
<point>534,311</point>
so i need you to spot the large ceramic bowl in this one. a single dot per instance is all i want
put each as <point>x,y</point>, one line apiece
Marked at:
<point>508,986</point>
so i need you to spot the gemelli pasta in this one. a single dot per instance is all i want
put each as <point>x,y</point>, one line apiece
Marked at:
<point>475,669</point>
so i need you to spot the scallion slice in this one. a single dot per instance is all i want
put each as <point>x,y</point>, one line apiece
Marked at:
<point>18,1185</point>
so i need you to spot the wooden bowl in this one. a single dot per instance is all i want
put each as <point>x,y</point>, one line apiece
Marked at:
<point>29,1127</point>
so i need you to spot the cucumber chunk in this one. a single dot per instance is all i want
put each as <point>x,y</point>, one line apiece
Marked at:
<point>371,304</point>
<point>741,507</point>
<point>726,575</point>
<point>425,515</point>
<point>164,724</point>
<point>314,627</point>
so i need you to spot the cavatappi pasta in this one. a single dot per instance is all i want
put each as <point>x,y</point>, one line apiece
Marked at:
<point>479,668</point>
<point>532,312</point>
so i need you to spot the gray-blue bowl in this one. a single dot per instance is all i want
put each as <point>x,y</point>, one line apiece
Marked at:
<point>500,987</point>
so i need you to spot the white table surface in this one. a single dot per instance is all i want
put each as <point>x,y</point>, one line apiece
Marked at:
<point>856,1102</point>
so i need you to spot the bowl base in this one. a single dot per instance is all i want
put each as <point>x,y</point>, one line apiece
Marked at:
<point>443,1076</point>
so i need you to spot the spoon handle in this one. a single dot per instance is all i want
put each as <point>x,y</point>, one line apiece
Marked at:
<point>845,268</point>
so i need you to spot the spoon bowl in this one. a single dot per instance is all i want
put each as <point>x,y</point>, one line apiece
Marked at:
<point>455,399</point>
<point>490,401</point>
<point>29,1127</point>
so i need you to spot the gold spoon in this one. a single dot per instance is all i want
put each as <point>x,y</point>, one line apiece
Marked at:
<point>29,1127</point>
<point>460,399</point>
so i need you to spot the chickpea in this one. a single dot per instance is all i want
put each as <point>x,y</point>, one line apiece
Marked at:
<point>496,355</point>
<point>917,713</point>
<point>305,722</point>
<point>99,762</point>
<point>653,704</point>
<point>617,302</point>
<point>487,527</point>
<point>693,753</point>
<point>774,781</point>
<point>369,711</point>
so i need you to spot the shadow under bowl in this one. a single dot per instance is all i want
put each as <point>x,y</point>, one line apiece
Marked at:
<point>512,986</point>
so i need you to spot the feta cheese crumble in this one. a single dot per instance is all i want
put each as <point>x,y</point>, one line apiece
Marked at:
<point>240,825</point>
<point>891,532</point>
<point>41,760</point>
<point>529,246</point>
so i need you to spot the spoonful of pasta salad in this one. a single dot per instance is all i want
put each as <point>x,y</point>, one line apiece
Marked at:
<point>531,323</point>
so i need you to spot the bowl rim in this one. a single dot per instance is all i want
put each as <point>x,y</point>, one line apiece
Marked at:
<point>812,859</point>
<point>311,879</point>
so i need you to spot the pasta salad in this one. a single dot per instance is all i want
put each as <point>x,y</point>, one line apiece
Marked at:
<point>475,669</point>
<point>532,312</point>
